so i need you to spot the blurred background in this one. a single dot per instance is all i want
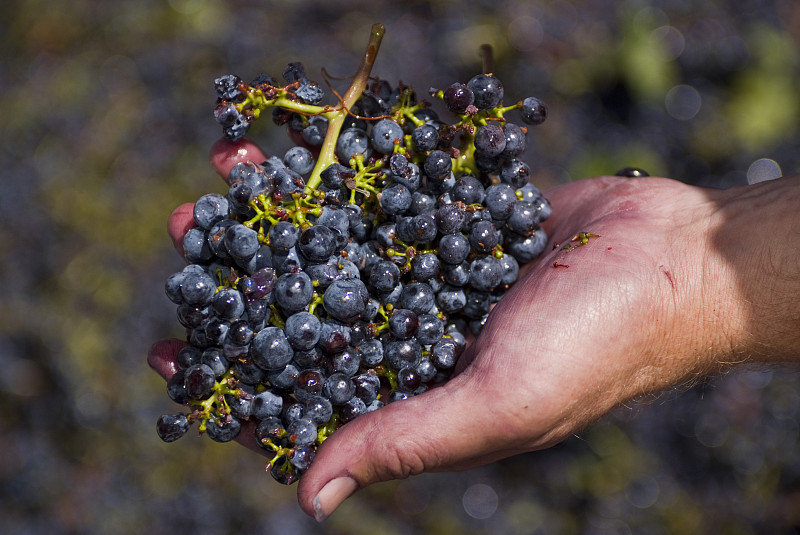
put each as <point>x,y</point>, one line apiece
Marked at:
<point>106,125</point>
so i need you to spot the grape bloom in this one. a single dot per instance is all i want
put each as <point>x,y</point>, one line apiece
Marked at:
<point>344,275</point>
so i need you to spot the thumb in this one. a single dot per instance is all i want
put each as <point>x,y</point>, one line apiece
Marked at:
<point>442,429</point>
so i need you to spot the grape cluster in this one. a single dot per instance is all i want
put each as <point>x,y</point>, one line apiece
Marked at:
<point>346,274</point>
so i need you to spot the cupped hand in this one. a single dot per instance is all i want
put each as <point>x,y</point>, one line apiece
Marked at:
<point>593,323</point>
<point>616,308</point>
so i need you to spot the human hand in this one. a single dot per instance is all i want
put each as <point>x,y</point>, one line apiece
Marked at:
<point>584,330</point>
<point>661,296</point>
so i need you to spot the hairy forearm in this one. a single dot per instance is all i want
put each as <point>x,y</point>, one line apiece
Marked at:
<point>757,242</point>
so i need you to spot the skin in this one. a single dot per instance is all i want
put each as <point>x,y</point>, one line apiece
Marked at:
<point>679,282</point>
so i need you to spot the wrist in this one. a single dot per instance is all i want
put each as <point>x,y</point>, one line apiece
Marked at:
<point>752,283</point>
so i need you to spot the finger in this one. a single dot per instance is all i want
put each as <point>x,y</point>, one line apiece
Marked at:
<point>446,428</point>
<point>226,153</point>
<point>179,223</point>
<point>162,356</point>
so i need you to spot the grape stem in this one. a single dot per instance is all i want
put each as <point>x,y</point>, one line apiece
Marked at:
<point>336,119</point>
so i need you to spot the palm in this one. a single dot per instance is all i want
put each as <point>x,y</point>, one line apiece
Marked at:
<point>567,343</point>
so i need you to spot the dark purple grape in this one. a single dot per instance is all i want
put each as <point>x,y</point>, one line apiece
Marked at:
<point>370,351</point>
<point>468,190</point>
<point>299,159</point>
<point>403,323</point>
<point>385,133</point>
<point>438,165</point>
<point>534,111</point>
<point>425,138</point>
<point>270,349</point>
<point>346,362</point>
<point>408,379</point>
<point>402,353</point>
<point>338,388</point>
<point>483,236</point>
<point>451,299</point>
<point>353,142</point>
<point>516,141</point>
<point>352,409</point>
<point>223,430</point>
<point>515,173</point>
<point>318,409</point>
<point>302,432</point>
<point>293,291</point>
<point>418,297</point>
<point>199,380</point>
<point>283,236</point>
<point>488,91</point>
<point>490,141</point>
<point>453,248</point>
<point>317,243</point>
<point>395,199</point>
<point>345,299</point>
<point>303,330</point>
<point>266,404</point>
<point>309,383</point>
<point>485,273</point>
<point>430,330</point>
<point>171,427</point>
<point>269,430</point>
<point>458,97</point>
<point>450,218</point>
<point>367,387</point>
<point>500,200</point>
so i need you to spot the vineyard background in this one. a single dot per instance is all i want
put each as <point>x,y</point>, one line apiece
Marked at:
<point>106,126</point>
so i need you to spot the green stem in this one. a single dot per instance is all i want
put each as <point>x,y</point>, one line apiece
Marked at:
<point>336,119</point>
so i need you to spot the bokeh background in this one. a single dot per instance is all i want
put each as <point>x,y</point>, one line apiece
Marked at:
<point>105,123</point>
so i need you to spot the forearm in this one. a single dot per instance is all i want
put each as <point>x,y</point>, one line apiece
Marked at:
<point>757,243</point>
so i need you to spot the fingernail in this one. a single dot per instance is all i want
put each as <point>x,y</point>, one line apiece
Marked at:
<point>332,495</point>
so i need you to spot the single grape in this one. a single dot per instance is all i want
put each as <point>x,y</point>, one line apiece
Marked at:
<point>303,330</point>
<point>367,387</point>
<point>488,91</point>
<point>294,291</point>
<point>453,248</point>
<point>425,138</point>
<point>468,190</point>
<point>385,133</point>
<point>299,159</point>
<point>317,243</point>
<point>338,388</point>
<point>171,427</point>
<point>345,299</point>
<point>418,297</point>
<point>352,409</point>
<point>485,273</point>
<point>370,351</point>
<point>430,330</point>
<point>353,142</point>
<point>457,97</point>
<point>395,199</point>
<point>266,404</point>
<point>483,236</point>
<point>516,141</point>
<point>515,173</point>
<point>283,236</point>
<point>302,432</point>
<point>270,349</point>
<point>534,111</point>
<point>438,165</point>
<point>223,430</point>
<point>490,141</point>
<point>455,274</point>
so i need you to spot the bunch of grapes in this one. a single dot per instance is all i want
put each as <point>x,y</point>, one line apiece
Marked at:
<point>346,275</point>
